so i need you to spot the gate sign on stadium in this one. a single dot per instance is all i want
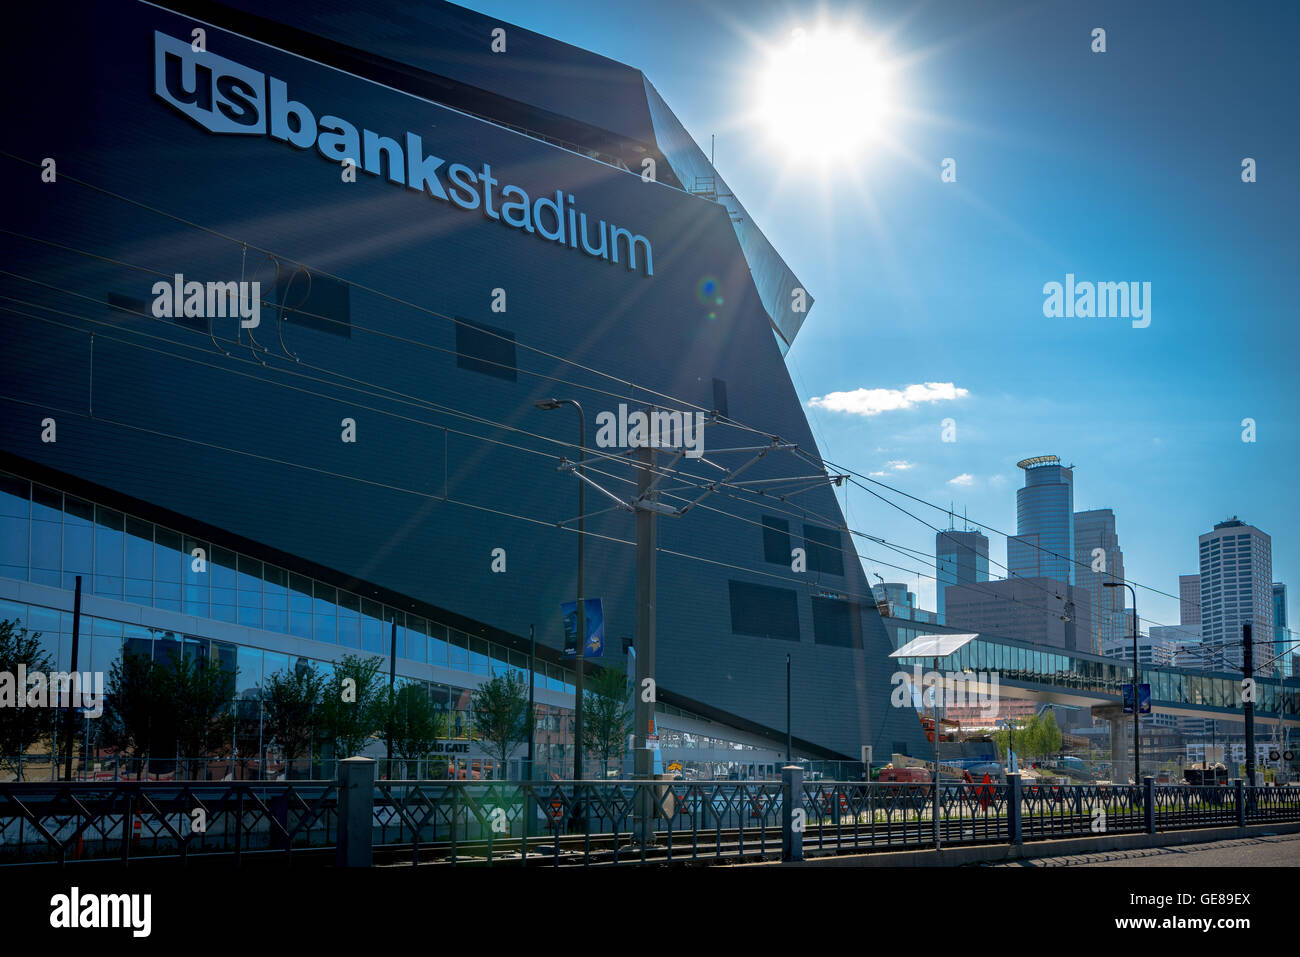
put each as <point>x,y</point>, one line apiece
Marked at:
<point>226,97</point>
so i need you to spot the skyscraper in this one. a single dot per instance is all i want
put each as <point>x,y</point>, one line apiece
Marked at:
<point>1043,546</point>
<point>1236,589</point>
<point>961,558</point>
<point>1098,558</point>
<point>1189,599</point>
<point>1038,610</point>
<point>1281,640</point>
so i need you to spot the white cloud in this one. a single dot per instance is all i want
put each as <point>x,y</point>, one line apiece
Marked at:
<point>898,465</point>
<point>964,479</point>
<point>876,474</point>
<point>875,401</point>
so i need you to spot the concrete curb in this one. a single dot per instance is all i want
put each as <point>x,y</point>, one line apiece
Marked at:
<point>1065,847</point>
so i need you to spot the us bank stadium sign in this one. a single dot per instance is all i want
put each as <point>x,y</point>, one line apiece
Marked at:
<point>226,97</point>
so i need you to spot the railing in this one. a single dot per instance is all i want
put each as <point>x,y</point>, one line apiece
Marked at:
<point>451,823</point>
<point>132,820</point>
<point>44,769</point>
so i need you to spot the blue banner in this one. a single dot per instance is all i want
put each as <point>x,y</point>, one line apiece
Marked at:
<point>1144,698</point>
<point>594,646</point>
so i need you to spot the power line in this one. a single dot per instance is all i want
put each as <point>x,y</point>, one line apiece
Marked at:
<point>566,360</point>
<point>619,459</point>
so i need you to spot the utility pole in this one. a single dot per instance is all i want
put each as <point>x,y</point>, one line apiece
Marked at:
<point>72,693</point>
<point>788,740</point>
<point>646,507</point>
<point>1248,671</point>
<point>647,545</point>
<point>392,678</point>
<point>532,710</point>
<point>1137,681</point>
<point>581,639</point>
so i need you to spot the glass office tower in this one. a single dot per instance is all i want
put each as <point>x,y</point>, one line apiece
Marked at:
<point>961,558</point>
<point>1237,589</point>
<point>1043,546</point>
<point>1096,545</point>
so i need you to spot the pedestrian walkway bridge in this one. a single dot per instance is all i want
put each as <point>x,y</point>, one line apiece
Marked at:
<point>1078,679</point>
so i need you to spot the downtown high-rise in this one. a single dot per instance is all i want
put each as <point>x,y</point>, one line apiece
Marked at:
<point>1099,559</point>
<point>961,558</point>
<point>1236,590</point>
<point>1043,546</point>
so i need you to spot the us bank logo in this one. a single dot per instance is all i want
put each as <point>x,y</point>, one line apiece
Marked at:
<point>226,97</point>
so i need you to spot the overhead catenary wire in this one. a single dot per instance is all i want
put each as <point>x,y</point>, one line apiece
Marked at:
<point>245,245</point>
<point>617,458</point>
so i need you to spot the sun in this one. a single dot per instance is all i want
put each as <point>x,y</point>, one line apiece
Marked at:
<point>825,95</point>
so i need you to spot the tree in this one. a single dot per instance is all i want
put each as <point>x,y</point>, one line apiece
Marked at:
<point>349,709</point>
<point>1048,741</point>
<point>290,701</point>
<point>409,723</point>
<point>1035,737</point>
<point>136,718</point>
<point>201,693</point>
<point>606,715</point>
<point>500,708</point>
<point>176,707</point>
<point>20,728</point>
<point>1013,737</point>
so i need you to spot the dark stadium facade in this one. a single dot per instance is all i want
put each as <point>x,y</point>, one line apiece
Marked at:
<point>442,233</point>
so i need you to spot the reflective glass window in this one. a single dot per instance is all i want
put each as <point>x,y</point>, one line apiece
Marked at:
<point>458,650</point>
<point>274,663</point>
<point>440,695</point>
<point>519,666</point>
<point>325,610</point>
<point>167,648</point>
<point>478,656</point>
<point>47,536</point>
<point>45,621</point>
<point>350,620</point>
<point>78,541</point>
<point>15,526</point>
<point>224,656</point>
<point>249,589</point>
<point>167,562</point>
<point>197,577</point>
<point>109,548</point>
<point>417,639</point>
<point>275,599</point>
<point>138,561</point>
<point>107,647</point>
<point>137,641</point>
<point>374,637</point>
<point>225,591</point>
<point>300,606</point>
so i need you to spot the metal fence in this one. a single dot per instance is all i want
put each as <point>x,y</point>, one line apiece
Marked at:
<point>43,768</point>
<point>451,823</point>
<point>130,820</point>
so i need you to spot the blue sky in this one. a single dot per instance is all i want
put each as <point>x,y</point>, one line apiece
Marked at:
<point>1115,166</point>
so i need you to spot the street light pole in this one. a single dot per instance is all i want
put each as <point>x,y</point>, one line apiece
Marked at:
<point>581,639</point>
<point>1137,679</point>
<point>532,708</point>
<point>788,749</point>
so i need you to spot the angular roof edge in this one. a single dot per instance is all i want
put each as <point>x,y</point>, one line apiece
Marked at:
<point>775,281</point>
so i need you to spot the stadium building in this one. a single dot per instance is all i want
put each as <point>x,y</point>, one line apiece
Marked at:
<point>282,286</point>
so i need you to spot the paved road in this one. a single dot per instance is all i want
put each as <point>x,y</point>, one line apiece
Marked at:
<point>1279,851</point>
